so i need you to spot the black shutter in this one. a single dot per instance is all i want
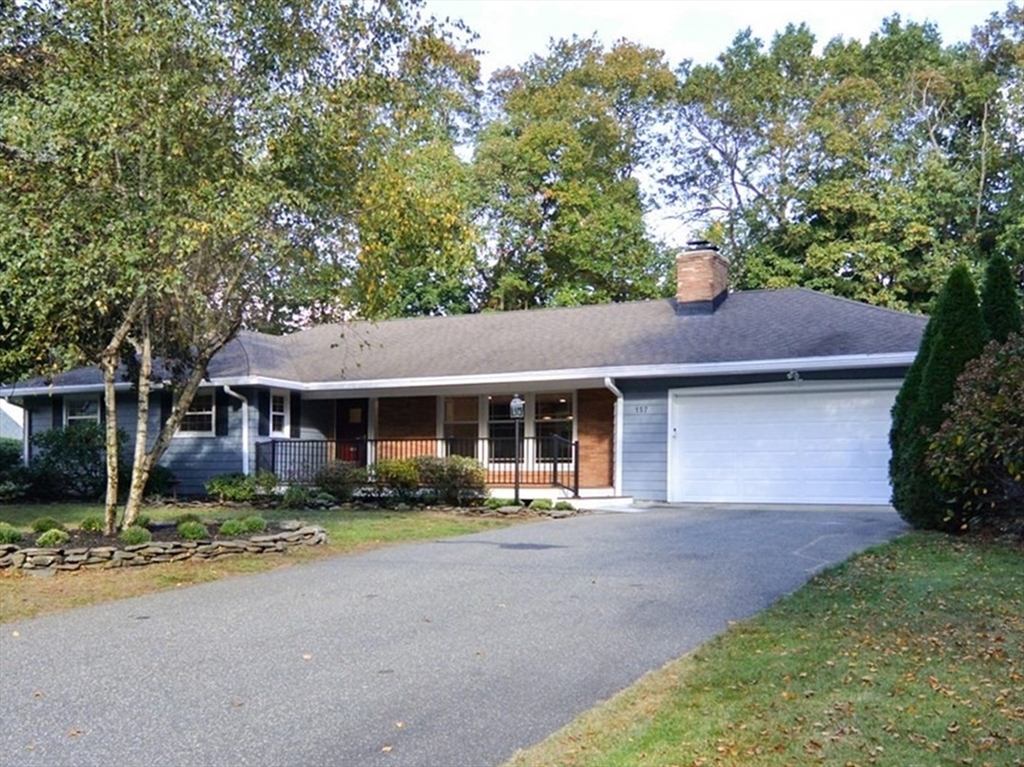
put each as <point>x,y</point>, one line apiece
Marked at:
<point>166,405</point>
<point>263,405</point>
<point>222,409</point>
<point>57,403</point>
<point>295,412</point>
<point>103,408</point>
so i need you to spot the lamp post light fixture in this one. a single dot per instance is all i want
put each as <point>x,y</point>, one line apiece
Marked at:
<point>517,410</point>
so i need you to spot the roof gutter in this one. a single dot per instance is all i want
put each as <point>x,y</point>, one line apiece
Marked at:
<point>245,427</point>
<point>669,370</point>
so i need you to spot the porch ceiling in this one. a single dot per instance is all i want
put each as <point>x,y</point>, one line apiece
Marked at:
<point>428,388</point>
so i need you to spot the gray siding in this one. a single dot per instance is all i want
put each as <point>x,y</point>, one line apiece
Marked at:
<point>644,445</point>
<point>316,418</point>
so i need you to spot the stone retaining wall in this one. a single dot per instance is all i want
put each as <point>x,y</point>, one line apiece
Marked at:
<point>155,551</point>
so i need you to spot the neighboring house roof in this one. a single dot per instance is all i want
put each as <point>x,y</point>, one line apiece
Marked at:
<point>749,330</point>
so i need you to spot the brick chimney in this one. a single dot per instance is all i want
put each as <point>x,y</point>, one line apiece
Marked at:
<point>702,278</point>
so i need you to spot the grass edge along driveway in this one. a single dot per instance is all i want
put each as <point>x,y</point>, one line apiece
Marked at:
<point>26,595</point>
<point>909,653</point>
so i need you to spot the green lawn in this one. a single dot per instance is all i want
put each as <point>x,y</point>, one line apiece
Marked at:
<point>23,595</point>
<point>909,654</point>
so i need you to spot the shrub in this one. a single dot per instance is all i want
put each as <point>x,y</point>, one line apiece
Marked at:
<point>142,520</point>
<point>341,479</point>
<point>133,535</point>
<point>497,503</point>
<point>72,462</point>
<point>193,531</point>
<point>955,334</point>
<point>296,497</point>
<point>160,481</point>
<point>15,479</point>
<point>233,527</point>
<point>1000,300</point>
<point>92,524</point>
<point>453,480</point>
<point>43,524</point>
<point>977,456</point>
<point>9,534</point>
<point>52,539</point>
<point>187,517</point>
<point>564,506</point>
<point>254,524</point>
<point>266,482</point>
<point>398,478</point>
<point>233,488</point>
<point>541,504</point>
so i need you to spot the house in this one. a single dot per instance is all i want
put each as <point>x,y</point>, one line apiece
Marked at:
<point>10,420</point>
<point>764,396</point>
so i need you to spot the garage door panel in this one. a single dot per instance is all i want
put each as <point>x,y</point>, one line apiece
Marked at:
<point>826,446</point>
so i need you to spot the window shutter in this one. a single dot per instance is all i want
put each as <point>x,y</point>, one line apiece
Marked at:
<point>222,408</point>
<point>57,403</point>
<point>263,405</point>
<point>166,405</point>
<point>103,409</point>
<point>295,414</point>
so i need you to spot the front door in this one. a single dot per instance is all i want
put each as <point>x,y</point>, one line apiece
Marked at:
<point>352,417</point>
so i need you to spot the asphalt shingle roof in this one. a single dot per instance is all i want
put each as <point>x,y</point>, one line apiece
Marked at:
<point>748,326</point>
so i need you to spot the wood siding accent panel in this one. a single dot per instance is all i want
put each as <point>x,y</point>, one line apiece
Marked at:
<point>406,418</point>
<point>595,430</point>
<point>645,445</point>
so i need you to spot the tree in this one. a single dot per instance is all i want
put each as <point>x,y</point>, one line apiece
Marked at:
<point>865,171</point>
<point>558,163</point>
<point>182,171</point>
<point>1000,300</point>
<point>954,335</point>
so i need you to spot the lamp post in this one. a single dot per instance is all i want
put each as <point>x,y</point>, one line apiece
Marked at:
<point>517,410</point>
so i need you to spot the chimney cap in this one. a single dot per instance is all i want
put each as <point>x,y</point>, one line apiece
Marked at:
<point>692,245</point>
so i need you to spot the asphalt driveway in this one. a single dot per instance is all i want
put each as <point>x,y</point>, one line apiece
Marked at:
<point>454,652</point>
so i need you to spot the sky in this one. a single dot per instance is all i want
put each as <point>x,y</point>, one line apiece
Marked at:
<point>512,30</point>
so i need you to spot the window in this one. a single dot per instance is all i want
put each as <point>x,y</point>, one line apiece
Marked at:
<point>552,426</point>
<point>501,429</point>
<point>279,412</point>
<point>461,429</point>
<point>200,416</point>
<point>81,410</point>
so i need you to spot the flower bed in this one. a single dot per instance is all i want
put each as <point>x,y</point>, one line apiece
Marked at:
<point>154,552</point>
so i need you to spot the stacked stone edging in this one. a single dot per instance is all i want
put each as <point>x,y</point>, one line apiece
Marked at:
<point>154,552</point>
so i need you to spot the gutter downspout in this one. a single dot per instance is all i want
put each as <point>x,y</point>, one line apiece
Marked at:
<point>245,426</point>
<point>609,384</point>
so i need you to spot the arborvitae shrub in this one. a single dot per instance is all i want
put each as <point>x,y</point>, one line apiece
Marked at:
<point>955,335</point>
<point>1000,300</point>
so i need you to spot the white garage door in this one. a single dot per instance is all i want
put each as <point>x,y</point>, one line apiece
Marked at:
<point>798,444</point>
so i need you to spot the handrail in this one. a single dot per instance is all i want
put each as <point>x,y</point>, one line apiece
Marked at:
<point>551,461</point>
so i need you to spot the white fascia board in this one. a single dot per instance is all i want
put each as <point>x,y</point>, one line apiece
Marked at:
<point>596,374</point>
<point>52,389</point>
<point>799,364</point>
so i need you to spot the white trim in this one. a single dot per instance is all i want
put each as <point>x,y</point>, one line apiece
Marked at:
<point>285,432</point>
<point>617,434</point>
<point>788,387</point>
<point>181,433</point>
<point>66,418</point>
<point>578,377</point>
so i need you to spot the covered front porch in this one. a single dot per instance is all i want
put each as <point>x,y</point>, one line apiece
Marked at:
<point>565,437</point>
